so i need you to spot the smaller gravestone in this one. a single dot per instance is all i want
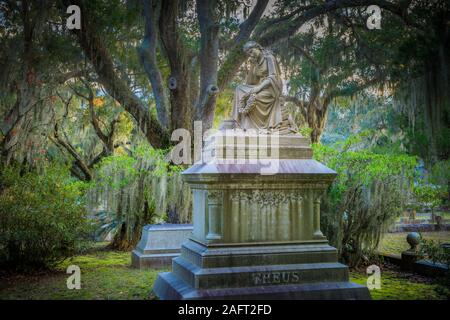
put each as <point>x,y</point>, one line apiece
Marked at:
<point>159,244</point>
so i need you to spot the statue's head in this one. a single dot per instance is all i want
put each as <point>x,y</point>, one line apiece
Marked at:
<point>253,50</point>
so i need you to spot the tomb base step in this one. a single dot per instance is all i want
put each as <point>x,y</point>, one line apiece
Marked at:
<point>259,254</point>
<point>258,275</point>
<point>151,261</point>
<point>169,287</point>
<point>285,271</point>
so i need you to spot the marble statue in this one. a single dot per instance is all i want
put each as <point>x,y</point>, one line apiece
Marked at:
<point>258,102</point>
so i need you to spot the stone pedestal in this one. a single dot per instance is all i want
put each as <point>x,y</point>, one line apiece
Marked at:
<point>257,225</point>
<point>159,244</point>
<point>408,259</point>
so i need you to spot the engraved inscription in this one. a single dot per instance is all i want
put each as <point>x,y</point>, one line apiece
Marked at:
<point>275,277</point>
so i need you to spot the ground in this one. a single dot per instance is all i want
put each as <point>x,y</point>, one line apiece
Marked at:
<point>107,274</point>
<point>397,285</point>
<point>395,243</point>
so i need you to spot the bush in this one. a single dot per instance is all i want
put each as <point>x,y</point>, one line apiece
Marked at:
<point>42,218</point>
<point>367,195</point>
<point>435,251</point>
<point>429,195</point>
<point>438,253</point>
<point>129,191</point>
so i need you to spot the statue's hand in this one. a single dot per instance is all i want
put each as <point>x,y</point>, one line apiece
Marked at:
<point>247,104</point>
<point>243,111</point>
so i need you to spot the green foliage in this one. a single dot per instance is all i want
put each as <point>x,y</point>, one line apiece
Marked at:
<point>428,195</point>
<point>305,131</point>
<point>224,104</point>
<point>440,173</point>
<point>435,251</point>
<point>371,117</point>
<point>42,218</point>
<point>130,191</point>
<point>368,193</point>
<point>438,253</point>
<point>397,286</point>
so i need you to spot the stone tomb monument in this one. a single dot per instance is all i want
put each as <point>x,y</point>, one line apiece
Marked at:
<point>257,208</point>
<point>159,244</point>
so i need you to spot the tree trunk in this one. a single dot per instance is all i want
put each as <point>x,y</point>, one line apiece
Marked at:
<point>316,117</point>
<point>209,58</point>
<point>179,57</point>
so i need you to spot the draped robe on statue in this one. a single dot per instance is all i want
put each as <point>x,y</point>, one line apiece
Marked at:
<point>265,112</point>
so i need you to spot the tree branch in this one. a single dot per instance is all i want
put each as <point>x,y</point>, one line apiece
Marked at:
<point>147,52</point>
<point>117,88</point>
<point>98,158</point>
<point>289,28</point>
<point>307,56</point>
<point>246,28</point>
<point>79,162</point>
<point>235,56</point>
<point>343,92</point>
<point>95,121</point>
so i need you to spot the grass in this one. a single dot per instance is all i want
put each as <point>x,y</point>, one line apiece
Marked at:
<point>395,243</point>
<point>107,274</point>
<point>401,286</point>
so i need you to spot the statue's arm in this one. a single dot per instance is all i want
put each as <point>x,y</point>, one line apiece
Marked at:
<point>266,82</point>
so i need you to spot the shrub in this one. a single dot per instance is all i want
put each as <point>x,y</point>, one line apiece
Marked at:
<point>435,251</point>
<point>129,191</point>
<point>42,218</point>
<point>438,253</point>
<point>367,195</point>
<point>428,195</point>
